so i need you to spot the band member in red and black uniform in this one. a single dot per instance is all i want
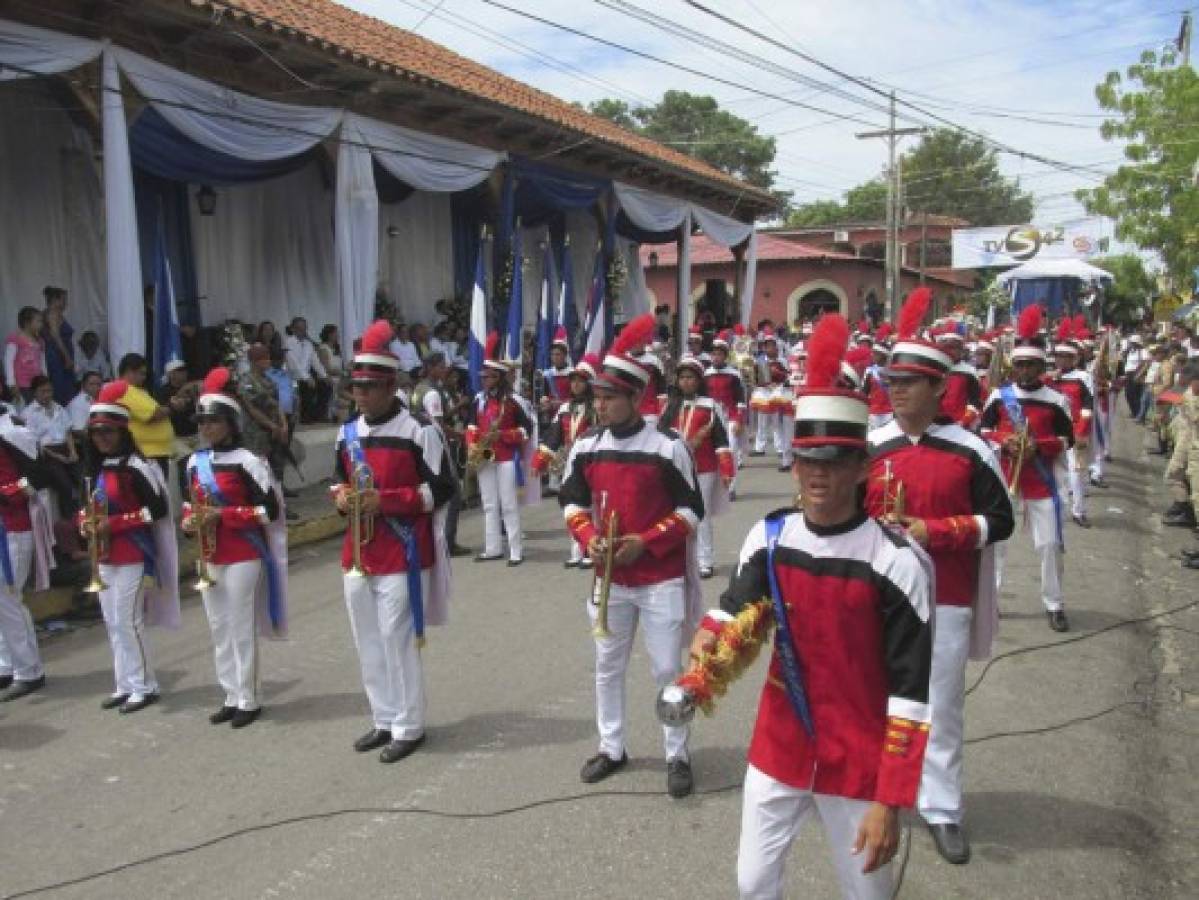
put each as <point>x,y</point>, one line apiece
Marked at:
<point>962,400</point>
<point>574,418</point>
<point>633,478</point>
<point>843,717</point>
<point>874,383</point>
<point>557,377</point>
<point>1074,384</point>
<point>139,568</point>
<point>695,345</point>
<point>699,421</point>
<point>242,545</point>
<point>25,542</point>
<point>1030,423</point>
<point>772,401</point>
<point>942,484</point>
<point>396,578</point>
<point>501,425</point>
<point>726,386</point>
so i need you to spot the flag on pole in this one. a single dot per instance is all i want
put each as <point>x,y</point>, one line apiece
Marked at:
<point>568,313</point>
<point>167,346</point>
<point>545,315</point>
<point>516,303</point>
<point>477,338</point>
<point>596,327</point>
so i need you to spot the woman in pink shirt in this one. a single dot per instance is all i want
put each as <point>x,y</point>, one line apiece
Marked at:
<point>24,352</point>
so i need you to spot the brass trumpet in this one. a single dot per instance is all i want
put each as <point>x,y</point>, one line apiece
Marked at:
<point>894,496</point>
<point>1024,450</point>
<point>93,513</point>
<point>604,578</point>
<point>362,526</point>
<point>205,537</point>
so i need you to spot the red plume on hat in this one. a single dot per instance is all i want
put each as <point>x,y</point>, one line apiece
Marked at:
<point>589,365</point>
<point>218,394</point>
<point>491,348</point>
<point>912,313</point>
<point>1028,326</point>
<point>860,358</point>
<point>560,338</point>
<point>112,392</point>
<point>1081,330</point>
<point>107,408</point>
<point>217,381</point>
<point>826,349</point>
<point>377,337</point>
<point>739,330</point>
<point>884,331</point>
<point>636,333</point>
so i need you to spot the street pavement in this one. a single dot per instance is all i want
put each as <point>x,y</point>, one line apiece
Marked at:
<point>1080,769</point>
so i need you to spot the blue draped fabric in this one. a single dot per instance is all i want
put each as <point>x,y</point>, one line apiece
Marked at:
<point>158,196</point>
<point>467,214</point>
<point>1059,296</point>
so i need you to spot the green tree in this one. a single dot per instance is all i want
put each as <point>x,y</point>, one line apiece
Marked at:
<point>1153,198</point>
<point>867,202</point>
<point>1132,286</point>
<point>950,173</point>
<point>816,214</point>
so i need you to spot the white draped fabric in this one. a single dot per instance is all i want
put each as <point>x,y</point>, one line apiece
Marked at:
<point>356,233</point>
<point>267,252</point>
<point>424,161</point>
<point>416,266</point>
<point>26,51</point>
<point>634,298</point>
<point>49,190</point>
<point>583,231</point>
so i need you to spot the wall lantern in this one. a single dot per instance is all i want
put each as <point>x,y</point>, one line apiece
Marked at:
<point>206,200</point>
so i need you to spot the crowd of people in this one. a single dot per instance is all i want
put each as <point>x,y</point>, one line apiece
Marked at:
<point>911,446</point>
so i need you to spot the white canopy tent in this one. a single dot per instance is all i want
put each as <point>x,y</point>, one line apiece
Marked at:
<point>1056,268</point>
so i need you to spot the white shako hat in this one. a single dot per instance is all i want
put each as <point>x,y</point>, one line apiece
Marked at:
<point>690,362</point>
<point>621,371</point>
<point>912,354</point>
<point>373,360</point>
<point>830,422</point>
<point>107,408</point>
<point>1029,343</point>
<point>216,397</point>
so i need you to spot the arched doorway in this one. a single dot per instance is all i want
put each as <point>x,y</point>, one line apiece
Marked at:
<point>814,298</point>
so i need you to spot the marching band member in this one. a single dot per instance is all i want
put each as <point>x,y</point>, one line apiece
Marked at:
<point>391,478</point>
<point>980,358</point>
<point>496,442</point>
<point>1031,425</point>
<point>637,483</point>
<point>575,417</point>
<point>1074,384</point>
<point>875,384</point>
<point>727,387</point>
<point>557,377</point>
<point>699,421</point>
<point>772,402</point>
<point>135,527</point>
<point>25,542</point>
<point>962,399</point>
<point>941,484</point>
<point>695,345</point>
<point>843,717</point>
<point>242,534</point>
<point>1101,368</point>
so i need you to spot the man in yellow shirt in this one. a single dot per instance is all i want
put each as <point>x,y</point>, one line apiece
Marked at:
<point>149,421</point>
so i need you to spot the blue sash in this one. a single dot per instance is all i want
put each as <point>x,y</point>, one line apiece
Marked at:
<point>256,539</point>
<point>1015,412</point>
<point>5,558</point>
<point>783,642</point>
<point>141,538</point>
<point>405,531</point>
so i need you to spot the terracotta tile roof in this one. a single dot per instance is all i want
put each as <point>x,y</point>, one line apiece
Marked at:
<point>706,253</point>
<point>371,42</point>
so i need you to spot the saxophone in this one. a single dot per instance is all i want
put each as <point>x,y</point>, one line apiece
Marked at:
<point>483,450</point>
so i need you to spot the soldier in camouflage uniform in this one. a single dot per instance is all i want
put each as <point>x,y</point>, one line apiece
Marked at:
<point>1183,470</point>
<point>264,424</point>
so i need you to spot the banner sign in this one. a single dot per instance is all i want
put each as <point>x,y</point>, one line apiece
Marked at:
<point>1083,239</point>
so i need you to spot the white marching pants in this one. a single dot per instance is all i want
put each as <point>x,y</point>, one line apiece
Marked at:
<point>392,672</point>
<point>232,618</point>
<point>779,428</point>
<point>1040,517</point>
<point>661,610</point>
<point>772,814</point>
<point>125,618</point>
<point>19,655</point>
<point>1077,479</point>
<point>737,441</point>
<point>1102,450</point>
<point>709,483</point>
<point>497,488</point>
<point>940,797</point>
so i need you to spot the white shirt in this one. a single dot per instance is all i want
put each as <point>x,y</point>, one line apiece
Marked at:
<point>98,364</point>
<point>49,426</point>
<point>406,352</point>
<point>78,409</point>
<point>302,359</point>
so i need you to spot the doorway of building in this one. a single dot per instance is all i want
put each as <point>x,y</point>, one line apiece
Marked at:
<point>818,302</point>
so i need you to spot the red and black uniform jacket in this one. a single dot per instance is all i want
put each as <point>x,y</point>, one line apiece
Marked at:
<point>647,479</point>
<point>509,418</point>
<point>134,504</point>
<point>858,605</point>
<point>962,400</point>
<point>687,418</point>
<point>1049,427</point>
<point>570,422</point>
<point>951,479</point>
<point>1075,387</point>
<point>19,469</point>
<point>244,480</point>
<point>878,399</point>
<point>406,459</point>
<point>557,383</point>
<point>725,386</point>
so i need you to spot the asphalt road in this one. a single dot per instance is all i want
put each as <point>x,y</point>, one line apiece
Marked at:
<point>1081,770</point>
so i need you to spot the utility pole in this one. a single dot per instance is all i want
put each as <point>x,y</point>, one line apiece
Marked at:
<point>1184,38</point>
<point>894,205</point>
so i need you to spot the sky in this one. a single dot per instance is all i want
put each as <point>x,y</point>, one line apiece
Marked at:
<point>977,64</point>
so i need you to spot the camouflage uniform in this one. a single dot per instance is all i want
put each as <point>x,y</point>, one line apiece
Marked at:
<point>259,392</point>
<point>1184,462</point>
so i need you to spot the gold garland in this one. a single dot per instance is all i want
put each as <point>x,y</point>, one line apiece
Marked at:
<point>737,647</point>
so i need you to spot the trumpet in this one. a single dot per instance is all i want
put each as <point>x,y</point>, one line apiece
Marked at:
<point>97,546</point>
<point>1024,450</point>
<point>205,536</point>
<point>601,593</point>
<point>894,496</point>
<point>362,526</point>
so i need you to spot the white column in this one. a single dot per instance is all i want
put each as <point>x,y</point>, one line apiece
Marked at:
<point>356,251</point>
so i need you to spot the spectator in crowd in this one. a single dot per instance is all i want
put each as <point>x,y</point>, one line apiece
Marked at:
<point>305,366</point>
<point>149,421</point>
<point>269,336</point>
<point>81,404</point>
<point>288,398</point>
<point>24,353</point>
<point>265,430</point>
<point>51,425</point>
<point>443,342</point>
<point>330,354</point>
<point>92,357</point>
<point>179,396</point>
<point>406,352</point>
<point>1134,366</point>
<point>420,338</point>
<point>58,338</point>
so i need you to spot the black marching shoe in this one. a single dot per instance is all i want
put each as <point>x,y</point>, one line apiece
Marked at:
<point>372,740</point>
<point>586,563</point>
<point>571,564</point>
<point>113,701</point>
<point>19,689</point>
<point>132,706</point>
<point>483,557</point>
<point>1190,559</point>
<point>1081,521</point>
<point>459,550</point>
<point>678,778</point>
<point>244,717</point>
<point>1058,621</point>
<point>951,843</point>
<point>223,715</point>
<point>601,766</point>
<point>1180,514</point>
<point>516,562</point>
<point>397,750</point>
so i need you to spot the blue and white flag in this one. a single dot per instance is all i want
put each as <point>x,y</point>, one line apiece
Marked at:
<point>513,344</point>
<point>477,339</point>
<point>596,325</point>
<point>568,313</point>
<point>167,346</point>
<point>545,315</point>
